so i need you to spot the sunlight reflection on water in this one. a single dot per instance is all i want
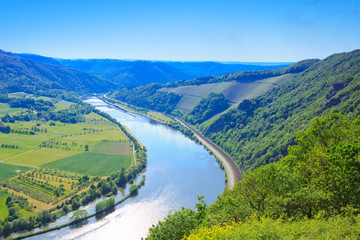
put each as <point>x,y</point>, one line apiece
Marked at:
<point>178,170</point>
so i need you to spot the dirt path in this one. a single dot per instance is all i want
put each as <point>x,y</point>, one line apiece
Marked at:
<point>232,171</point>
<point>17,155</point>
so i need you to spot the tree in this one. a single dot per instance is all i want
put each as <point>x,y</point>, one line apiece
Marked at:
<point>134,189</point>
<point>44,217</point>
<point>78,215</point>
<point>114,189</point>
<point>175,226</point>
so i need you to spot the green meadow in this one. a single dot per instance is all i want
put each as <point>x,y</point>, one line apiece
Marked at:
<point>9,171</point>
<point>5,109</point>
<point>94,164</point>
<point>116,148</point>
<point>4,212</point>
<point>56,151</point>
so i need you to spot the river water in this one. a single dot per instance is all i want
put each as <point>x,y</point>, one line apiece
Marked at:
<point>178,170</point>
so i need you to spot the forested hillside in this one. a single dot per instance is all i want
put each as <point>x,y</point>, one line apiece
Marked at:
<point>136,73</point>
<point>313,193</point>
<point>186,95</point>
<point>129,73</point>
<point>39,58</point>
<point>260,130</point>
<point>21,75</point>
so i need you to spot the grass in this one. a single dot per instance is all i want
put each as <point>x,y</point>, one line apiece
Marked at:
<point>188,102</point>
<point>59,147</point>
<point>3,208</point>
<point>111,148</point>
<point>194,90</point>
<point>9,171</point>
<point>94,164</point>
<point>5,109</point>
<point>40,156</point>
<point>234,91</point>
<point>94,129</point>
<point>19,95</point>
<point>62,105</point>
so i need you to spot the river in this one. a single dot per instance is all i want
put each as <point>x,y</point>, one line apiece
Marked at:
<point>178,170</point>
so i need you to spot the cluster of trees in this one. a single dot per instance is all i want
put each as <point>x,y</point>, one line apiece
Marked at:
<point>149,96</point>
<point>29,103</point>
<point>72,115</point>
<point>260,130</point>
<point>105,205</point>
<point>11,146</point>
<point>209,106</point>
<point>247,76</point>
<point>319,179</point>
<point>5,128</point>
<point>15,222</point>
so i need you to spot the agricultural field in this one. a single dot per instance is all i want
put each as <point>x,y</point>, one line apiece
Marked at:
<point>9,171</point>
<point>234,91</point>
<point>45,187</point>
<point>94,164</point>
<point>46,162</point>
<point>117,148</point>
<point>19,95</point>
<point>3,209</point>
<point>5,109</point>
<point>62,105</point>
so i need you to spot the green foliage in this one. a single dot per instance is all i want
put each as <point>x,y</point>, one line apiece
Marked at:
<point>78,215</point>
<point>260,130</point>
<point>337,227</point>
<point>317,183</point>
<point>134,189</point>
<point>209,106</point>
<point>136,73</point>
<point>148,96</point>
<point>248,76</point>
<point>8,171</point>
<point>105,205</point>
<point>180,223</point>
<point>44,217</point>
<point>21,75</point>
<point>95,164</point>
<point>174,226</point>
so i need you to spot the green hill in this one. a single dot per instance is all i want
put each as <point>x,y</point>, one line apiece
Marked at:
<point>18,74</point>
<point>182,97</point>
<point>259,130</point>
<point>313,193</point>
<point>139,72</point>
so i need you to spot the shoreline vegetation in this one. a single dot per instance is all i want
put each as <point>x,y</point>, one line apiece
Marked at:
<point>232,172</point>
<point>77,221</point>
<point>106,186</point>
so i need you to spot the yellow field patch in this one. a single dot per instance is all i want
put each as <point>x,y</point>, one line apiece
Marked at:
<point>40,156</point>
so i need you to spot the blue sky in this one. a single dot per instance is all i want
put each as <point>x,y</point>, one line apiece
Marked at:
<point>223,30</point>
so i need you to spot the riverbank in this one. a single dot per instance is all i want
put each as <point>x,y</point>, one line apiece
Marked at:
<point>230,167</point>
<point>232,171</point>
<point>142,182</point>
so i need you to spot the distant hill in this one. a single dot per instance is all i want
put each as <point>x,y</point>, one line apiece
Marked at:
<point>20,74</point>
<point>136,73</point>
<point>39,58</point>
<point>217,69</point>
<point>129,73</point>
<point>183,96</point>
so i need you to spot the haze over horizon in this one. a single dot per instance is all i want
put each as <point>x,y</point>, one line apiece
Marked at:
<point>256,31</point>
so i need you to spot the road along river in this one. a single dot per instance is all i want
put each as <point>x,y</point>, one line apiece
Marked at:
<point>178,170</point>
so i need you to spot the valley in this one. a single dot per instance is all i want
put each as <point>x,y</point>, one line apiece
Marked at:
<point>59,153</point>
